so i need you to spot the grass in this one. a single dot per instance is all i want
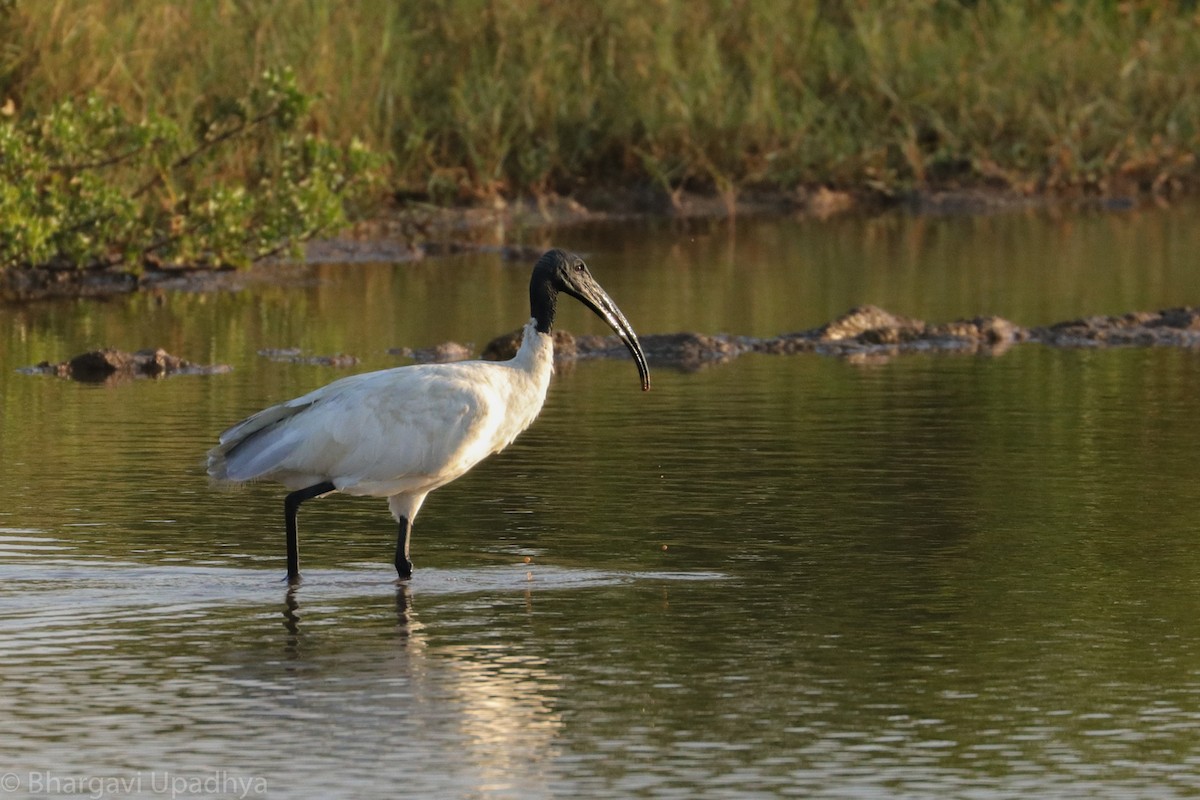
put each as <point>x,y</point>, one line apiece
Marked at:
<point>475,98</point>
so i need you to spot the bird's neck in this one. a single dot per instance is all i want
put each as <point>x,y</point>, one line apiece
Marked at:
<point>543,301</point>
<point>536,353</point>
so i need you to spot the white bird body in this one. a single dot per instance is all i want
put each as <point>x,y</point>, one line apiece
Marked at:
<point>401,433</point>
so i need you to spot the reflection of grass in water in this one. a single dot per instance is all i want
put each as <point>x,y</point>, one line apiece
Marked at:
<point>491,97</point>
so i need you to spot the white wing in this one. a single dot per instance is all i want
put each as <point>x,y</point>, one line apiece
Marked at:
<point>385,432</point>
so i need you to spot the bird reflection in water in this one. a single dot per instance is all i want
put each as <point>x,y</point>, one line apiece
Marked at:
<point>492,702</point>
<point>291,612</point>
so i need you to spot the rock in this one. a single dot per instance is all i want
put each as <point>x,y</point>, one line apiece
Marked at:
<point>993,335</point>
<point>335,360</point>
<point>1187,318</point>
<point>440,354</point>
<point>107,364</point>
<point>505,346</point>
<point>1172,327</point>
<point>99,364</point>
<point>686,350</point>
<point>786,345</point>
<point>294,355</point>
<point>280,353</point>
<point>690,351</point>
<point>992,331</point>
<point>872,330</point>
<point>870,325</point>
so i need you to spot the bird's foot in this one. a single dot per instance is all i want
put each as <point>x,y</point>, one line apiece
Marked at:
<point>404,569</point>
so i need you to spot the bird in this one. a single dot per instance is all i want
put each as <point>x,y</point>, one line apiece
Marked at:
<point>400,433</point>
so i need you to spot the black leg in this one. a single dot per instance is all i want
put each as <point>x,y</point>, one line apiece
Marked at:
<point>291,505</point>
<point>403,565</point>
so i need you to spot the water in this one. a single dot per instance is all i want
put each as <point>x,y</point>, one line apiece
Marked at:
<point>936,576</point>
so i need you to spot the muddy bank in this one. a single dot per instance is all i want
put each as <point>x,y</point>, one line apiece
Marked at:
<point>414,231</point>
<point>29,285</point>
<point>869,333</point>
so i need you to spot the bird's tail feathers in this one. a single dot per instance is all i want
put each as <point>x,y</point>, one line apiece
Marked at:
<point>255,446</point>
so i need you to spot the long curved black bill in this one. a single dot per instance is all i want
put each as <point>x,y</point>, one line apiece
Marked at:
<point>594,297</point>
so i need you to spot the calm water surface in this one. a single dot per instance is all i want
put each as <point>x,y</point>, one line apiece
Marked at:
<point>937,576</point>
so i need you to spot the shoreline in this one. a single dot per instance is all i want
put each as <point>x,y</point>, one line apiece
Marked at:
<point>415,231</point>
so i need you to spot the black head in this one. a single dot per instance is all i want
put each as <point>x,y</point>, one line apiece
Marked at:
<point>559,271</point>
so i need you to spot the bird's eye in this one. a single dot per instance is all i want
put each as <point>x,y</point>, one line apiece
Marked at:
<point>579,266</point>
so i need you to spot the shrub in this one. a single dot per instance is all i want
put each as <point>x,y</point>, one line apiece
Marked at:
<point>84,186</point>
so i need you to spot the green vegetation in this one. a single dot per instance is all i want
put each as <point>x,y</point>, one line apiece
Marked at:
<point>82,185</point>
<point>477,98</point>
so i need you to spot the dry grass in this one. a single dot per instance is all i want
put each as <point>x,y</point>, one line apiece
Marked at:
<point>475,97</point>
